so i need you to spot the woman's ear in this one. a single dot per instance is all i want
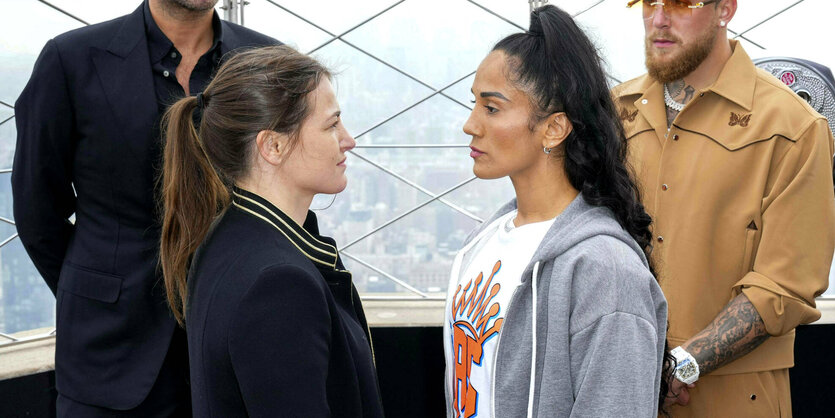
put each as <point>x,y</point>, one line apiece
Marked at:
<point>272,146</point>
<point>557,128</point>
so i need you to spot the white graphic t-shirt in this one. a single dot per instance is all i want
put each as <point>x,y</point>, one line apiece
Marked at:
<point>478,307</point>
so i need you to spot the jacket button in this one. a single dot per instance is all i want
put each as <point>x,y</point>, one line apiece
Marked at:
<point>165,73</point>
<point>664,187</point>
<point>753,397</point>
<point>675,137</point>
<point>660,238</point>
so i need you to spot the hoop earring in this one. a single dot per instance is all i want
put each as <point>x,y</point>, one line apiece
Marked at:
<point>546,150</point>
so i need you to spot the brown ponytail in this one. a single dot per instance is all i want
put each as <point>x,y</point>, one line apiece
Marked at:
<point>254,90</point>
<point>193,195</point>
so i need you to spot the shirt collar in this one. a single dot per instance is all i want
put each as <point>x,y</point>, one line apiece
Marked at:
<point>306,239</point>
<point>159,45</point>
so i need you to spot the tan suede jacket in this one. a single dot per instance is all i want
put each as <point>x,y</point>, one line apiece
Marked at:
<point>740,191</point>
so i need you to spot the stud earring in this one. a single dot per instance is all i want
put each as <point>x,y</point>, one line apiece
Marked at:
<point>722,23</point>
<point>546,150</point>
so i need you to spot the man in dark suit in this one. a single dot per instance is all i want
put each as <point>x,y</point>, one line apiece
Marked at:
<point>89,144</point>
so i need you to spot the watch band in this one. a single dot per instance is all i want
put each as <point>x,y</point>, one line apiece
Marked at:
<point>687,370</point>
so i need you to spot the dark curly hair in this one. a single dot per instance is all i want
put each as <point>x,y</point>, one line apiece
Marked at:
<point>559,68</point>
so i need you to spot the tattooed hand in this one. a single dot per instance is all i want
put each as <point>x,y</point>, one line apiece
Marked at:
<point>735,332</point>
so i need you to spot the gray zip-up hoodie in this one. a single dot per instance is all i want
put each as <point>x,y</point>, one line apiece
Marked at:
<point>598,325</point>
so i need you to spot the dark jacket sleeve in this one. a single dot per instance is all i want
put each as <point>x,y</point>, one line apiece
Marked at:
<point>42,171</point>
<point>279,344</point>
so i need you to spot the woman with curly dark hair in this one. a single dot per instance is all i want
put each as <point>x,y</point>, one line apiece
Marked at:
<point>553,308</point>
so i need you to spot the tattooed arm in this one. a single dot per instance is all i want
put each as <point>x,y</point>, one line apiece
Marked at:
<point>735,332</point>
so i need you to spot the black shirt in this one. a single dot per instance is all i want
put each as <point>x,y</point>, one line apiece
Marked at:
<point>165,58</point>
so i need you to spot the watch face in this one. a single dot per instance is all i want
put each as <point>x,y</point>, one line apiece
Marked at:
<point>686,370</point>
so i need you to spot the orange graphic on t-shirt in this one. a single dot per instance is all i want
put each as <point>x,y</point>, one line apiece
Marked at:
<point>469,333</point>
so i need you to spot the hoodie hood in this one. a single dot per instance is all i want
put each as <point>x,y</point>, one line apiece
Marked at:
<point>577,223</point>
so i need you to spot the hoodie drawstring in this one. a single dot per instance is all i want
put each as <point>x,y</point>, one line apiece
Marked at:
<point>532,385</point>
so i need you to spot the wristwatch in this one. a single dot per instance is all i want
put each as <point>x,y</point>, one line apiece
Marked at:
<point>687,370</point>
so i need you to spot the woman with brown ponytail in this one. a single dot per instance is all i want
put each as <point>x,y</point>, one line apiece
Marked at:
<point>275,325</point>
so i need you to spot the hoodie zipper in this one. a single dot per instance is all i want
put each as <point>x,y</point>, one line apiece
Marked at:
<point>532,384</point>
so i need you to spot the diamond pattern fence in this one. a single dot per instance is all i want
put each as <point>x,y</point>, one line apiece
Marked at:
<point>404,68</point>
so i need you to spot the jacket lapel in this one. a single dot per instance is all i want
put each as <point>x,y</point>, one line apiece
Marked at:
<point>125,73</point>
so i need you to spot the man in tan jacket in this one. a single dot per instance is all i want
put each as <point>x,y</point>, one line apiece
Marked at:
<point>736,171</point>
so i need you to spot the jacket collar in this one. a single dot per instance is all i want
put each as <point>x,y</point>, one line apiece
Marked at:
<point>133,30</point>
<point>130,33</point>
<point>736,81</point>
<point>306,239</point>
<point>158,43</point>
<point>738,78</point>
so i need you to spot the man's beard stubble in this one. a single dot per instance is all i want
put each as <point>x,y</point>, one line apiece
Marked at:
<point>688,59</point>
<point>193,5</point>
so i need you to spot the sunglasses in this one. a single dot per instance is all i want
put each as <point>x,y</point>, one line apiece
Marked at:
<point>671,8</point>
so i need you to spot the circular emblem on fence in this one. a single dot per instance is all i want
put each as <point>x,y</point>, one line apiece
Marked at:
<point>788,78</point>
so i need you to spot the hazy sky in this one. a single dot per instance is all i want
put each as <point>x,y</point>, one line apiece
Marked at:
<point>804,31</point>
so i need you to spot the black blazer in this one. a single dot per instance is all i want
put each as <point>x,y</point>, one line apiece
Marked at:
<point>275,326</point>
<point>85,121</point>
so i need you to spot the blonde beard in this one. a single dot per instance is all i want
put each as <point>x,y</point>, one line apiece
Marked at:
<point>677,67</point>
